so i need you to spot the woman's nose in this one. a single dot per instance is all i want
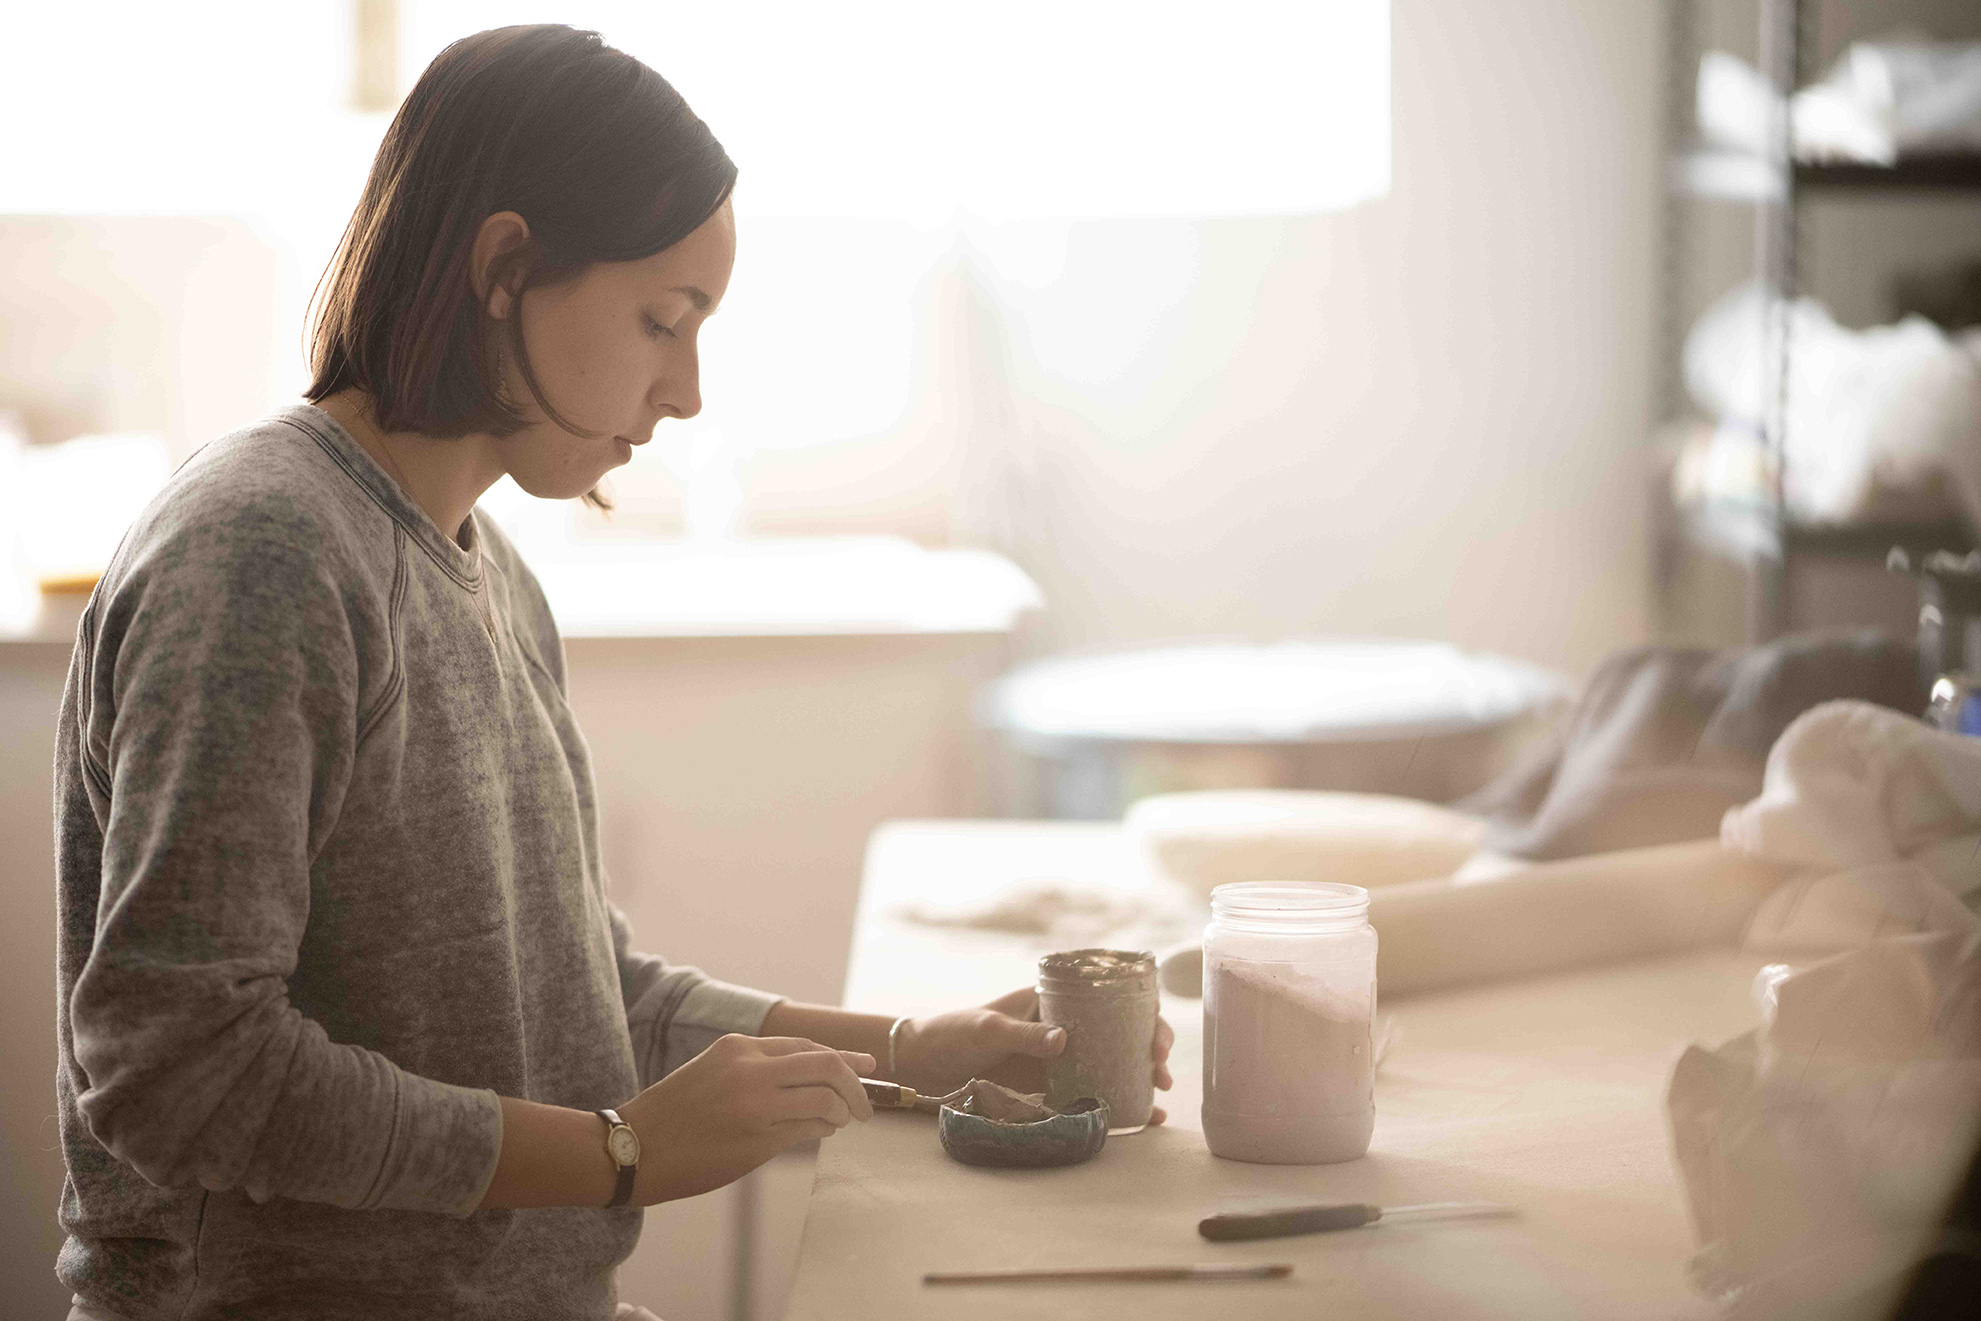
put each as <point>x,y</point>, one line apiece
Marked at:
<point>679,392</point>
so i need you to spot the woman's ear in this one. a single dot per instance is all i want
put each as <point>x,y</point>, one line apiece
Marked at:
<point>502,233</point>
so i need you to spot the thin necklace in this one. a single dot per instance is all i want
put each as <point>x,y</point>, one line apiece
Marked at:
<point>405,483</point>
<point>386,449</point>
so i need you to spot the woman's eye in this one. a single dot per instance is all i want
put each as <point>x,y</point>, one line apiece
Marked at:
<point>655,329</point>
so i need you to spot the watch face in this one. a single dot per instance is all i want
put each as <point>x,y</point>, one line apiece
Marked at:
<point>624,1144</point>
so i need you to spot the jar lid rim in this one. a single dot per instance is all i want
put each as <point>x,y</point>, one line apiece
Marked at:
<point>1318,897</point>
<point>1097,964</point>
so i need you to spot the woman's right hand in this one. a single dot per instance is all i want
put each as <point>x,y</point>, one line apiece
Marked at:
<point>737,1104</point>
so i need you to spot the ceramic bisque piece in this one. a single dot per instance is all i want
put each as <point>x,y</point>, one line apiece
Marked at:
<point>987,1124</point>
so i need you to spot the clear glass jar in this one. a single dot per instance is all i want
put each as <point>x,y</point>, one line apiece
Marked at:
<point>1289,992</point>
<point>1106,1000</point>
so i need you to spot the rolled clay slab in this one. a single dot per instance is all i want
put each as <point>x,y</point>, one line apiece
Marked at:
<point>1212,837</point>
<point>1441,923</point>
<point>1551,916</point>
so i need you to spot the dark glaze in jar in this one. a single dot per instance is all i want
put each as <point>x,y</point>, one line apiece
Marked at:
<point>1106,1000</point>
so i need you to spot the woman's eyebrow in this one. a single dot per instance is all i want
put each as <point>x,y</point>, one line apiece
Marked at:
<point>695,295</point>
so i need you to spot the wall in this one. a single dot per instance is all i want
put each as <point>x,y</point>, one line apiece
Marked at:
<point>163,324</point>
<point>1423,416</point>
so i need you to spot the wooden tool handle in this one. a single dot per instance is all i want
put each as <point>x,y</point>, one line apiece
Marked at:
<point>1115,1274</point>
<point>1233,1226</point>
<point>890,1095</point>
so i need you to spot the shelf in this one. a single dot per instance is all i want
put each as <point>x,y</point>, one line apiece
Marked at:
<point>1782,190</point>
<point>1736,176</point>
<point>1873,541</point>
<point>1941,173</point>
<point>1744,532</point>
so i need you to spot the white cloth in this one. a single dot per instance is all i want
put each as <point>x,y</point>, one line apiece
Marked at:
<point>1880,101</point>
<point>1817,1152</point>
<point>1883,422</point>
<point>1880,816</point>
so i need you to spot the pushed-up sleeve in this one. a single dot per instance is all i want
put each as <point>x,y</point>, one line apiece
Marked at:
<point>675,1011</point>
<point>223,720</point>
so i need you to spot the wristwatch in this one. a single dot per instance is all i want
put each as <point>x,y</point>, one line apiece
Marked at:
<point>623,1145</point>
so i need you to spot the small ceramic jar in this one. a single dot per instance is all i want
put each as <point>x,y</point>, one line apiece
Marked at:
<point>1106,1000</point>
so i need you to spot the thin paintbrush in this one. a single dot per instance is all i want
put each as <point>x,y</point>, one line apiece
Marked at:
<point>1111,1274</point>
<point>1282,1221</point>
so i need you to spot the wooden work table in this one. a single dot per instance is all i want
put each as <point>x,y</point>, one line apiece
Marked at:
<point>1546,1094</point>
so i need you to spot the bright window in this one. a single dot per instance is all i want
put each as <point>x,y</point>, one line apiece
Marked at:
<point>876,140</point>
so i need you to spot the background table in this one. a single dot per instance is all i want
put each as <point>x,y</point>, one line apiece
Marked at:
<point>1546,1094</point>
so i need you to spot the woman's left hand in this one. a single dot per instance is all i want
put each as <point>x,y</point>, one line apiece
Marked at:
<point>1003,1041</point>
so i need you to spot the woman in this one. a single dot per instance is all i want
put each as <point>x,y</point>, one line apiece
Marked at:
<point>349,1026</point>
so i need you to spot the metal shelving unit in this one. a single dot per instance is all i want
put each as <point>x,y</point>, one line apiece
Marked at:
<point>1761,538</point>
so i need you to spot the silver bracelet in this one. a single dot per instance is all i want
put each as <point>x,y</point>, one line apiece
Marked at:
<point>892,1034</point>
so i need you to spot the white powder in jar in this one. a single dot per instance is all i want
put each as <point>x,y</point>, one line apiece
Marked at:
<point>1289,1076</point>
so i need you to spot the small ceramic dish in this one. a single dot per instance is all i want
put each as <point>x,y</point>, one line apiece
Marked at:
<point>986,1124</point>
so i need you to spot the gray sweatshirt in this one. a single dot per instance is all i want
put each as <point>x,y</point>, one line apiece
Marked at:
<point>329,881</point>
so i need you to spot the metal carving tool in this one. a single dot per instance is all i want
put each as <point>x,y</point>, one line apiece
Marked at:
<point>1315,1219</point>
<point>895,1096</point>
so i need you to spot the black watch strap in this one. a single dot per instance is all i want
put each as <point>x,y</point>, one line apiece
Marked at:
<point>622,1191</point>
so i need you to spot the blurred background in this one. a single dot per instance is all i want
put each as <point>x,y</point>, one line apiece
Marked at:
<point>1110,398</point>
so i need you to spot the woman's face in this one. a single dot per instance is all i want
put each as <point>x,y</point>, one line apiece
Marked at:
<point>615,352</point>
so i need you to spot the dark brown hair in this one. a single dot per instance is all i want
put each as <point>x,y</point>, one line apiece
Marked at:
<point>600,156</point>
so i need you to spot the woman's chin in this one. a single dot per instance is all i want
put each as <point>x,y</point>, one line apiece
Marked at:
<point>564,486</point>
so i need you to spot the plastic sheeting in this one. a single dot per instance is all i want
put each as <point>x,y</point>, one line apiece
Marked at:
<point>1819,1151</point>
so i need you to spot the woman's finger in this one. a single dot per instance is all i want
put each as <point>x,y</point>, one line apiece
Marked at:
<point>1158,1115</point>
<point>860,1065</point>
<point>1163,1041</point>
<point>792,1131</point>
<point>1015,1036</point>
<point>827,1068</point>
<point>776,1047</point>
<point>810,1103</point>
<point>1161,1077</point>
<point>824,1103</point>
<point>786,1045</point>
<point>859,1061</point>
<point>816,1103</point>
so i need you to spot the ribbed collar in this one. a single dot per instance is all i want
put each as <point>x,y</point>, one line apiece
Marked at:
<point>382,487</point>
